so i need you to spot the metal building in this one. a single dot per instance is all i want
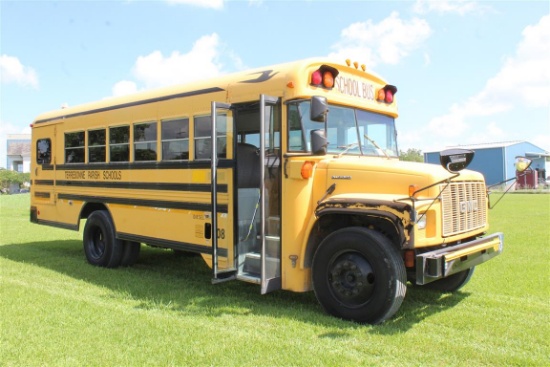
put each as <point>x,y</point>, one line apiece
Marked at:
<point>496,160</point>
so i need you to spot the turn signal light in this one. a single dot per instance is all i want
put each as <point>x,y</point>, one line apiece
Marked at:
<point>413,189</point>
<point>409,259</point>
<point>307,169</point>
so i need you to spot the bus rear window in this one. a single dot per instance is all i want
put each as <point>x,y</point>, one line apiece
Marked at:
<point>43,151</point>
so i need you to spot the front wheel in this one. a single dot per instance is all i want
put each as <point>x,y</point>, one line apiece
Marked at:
<point>359,275</point>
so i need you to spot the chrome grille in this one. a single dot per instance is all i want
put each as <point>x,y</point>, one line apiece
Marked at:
<point>464,207</point>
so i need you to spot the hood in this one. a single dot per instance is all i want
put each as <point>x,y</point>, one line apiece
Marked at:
<point>384,176</point>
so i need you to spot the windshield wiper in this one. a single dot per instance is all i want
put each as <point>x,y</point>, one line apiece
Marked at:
<point>346,148</point>
<point>376,145</point>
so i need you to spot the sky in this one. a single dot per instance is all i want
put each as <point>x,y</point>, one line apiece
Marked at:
<point>467,72</point>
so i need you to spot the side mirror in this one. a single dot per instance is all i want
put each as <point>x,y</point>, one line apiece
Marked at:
<point>318,142</point>
<point>522,164</point>
<point>454,160</point>
<point>319,109</point>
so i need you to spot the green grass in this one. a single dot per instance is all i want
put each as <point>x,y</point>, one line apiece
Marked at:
<point>56,310</point>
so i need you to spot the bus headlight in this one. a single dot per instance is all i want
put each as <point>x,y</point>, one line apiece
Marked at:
<point>422,220</point>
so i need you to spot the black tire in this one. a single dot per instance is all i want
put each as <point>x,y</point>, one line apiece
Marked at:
<point>359,275</point>
<point>101,246</point>
<point>452,283</point>
<point>130,253</point>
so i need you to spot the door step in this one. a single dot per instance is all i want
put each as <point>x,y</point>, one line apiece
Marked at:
<point>253,265</point>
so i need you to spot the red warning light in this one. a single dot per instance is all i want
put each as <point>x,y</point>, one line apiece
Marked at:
<point>324,77</point>
<point>386,94</point>
<point>316,77</point>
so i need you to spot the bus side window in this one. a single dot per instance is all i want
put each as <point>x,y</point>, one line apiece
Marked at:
<point>74,147</point>
<point>96,146</point>
<point>145,142</point>
<point>43,151</point>
<point>203,147</point>
<point>119,144</point>
<point>175,139</point>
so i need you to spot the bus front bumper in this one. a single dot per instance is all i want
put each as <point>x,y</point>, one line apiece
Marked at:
<point>441,263</point>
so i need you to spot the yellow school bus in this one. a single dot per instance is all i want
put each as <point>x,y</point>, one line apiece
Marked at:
<point>286,176</point>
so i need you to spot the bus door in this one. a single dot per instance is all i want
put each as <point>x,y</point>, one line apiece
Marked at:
<point>44,163</point>
<point>258,182</point>
<point>270,144</point>
<point>224,251</point>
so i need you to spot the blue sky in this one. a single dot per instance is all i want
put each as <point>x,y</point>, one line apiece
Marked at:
<point>467,71</point>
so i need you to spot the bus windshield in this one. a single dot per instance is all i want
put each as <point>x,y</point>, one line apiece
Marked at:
<point>350,131</point>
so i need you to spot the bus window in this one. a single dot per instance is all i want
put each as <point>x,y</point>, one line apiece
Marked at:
<point>43,151</point>
<point>119,144</point>
<point>300,126</point>
<point>145,142</point>
<point>74,147</point>
<point>349,130</point>
<point>175,139</point>
<point>203,125</point>
<point>96,146</point>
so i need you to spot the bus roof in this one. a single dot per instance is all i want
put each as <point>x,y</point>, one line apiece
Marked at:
<point>281,74</point>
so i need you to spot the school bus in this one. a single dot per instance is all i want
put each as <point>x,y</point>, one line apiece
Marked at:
<point>286,176</point>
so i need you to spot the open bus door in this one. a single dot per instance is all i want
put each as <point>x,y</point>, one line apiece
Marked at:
<point>270,209</point>
<point>257,176</point>
<point>226,269</point>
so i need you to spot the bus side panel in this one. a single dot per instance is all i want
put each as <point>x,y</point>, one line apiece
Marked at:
<point>296,214</point>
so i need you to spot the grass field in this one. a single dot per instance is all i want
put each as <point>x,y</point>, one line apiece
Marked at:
<point>56,310</point>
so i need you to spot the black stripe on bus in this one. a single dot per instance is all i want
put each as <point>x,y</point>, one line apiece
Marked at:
<point>205,164</point>
<point>73,227</point>
<point>182,246</point>
<point>135,103</point>
<point>43,182</point>
<point>43,195</point>
<point>144,185</point>
<point>222,208</point>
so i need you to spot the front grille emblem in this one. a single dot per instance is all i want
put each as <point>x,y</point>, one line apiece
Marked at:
<point>468,206</point>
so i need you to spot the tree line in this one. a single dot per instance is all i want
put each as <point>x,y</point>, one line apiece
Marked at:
<point>9,178</point>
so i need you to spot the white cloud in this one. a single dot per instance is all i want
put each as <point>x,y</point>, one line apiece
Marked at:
<point>386,42</point>
<point>13,71</point>
<point>461,7</point>
<point>203,61</point>
<point>200,62</point>
<point>124,87</point>
<point>523,81</point>
<point>211,4</point>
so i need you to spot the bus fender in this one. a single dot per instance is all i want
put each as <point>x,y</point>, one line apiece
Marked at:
<point>390,217</point>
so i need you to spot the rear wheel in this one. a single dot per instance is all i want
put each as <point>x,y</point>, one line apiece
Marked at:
<point>101,246</point>
<point>130,253</point>
<point>359,275</point>
<point>452,283</point>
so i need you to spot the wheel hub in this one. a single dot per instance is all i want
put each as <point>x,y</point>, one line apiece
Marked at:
<point>352,279</point>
